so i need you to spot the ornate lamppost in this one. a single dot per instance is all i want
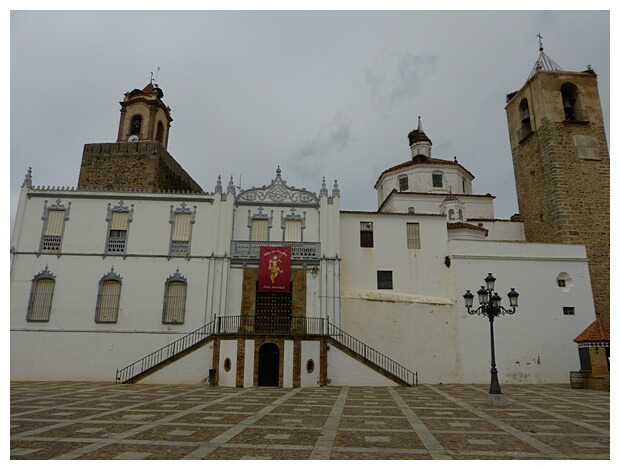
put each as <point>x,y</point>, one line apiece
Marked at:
<point>491,307</point>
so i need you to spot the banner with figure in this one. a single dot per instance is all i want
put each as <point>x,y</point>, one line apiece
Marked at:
<point>274,269</point>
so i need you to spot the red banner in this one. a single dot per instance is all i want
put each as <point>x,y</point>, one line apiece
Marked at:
<point>274,269</point>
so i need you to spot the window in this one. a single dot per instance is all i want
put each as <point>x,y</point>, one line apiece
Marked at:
<point>403,183</point>
<point>366,235</point>
<point>384,279</point>
<point>260,229</point>
<point>160,133</point>
<point>174,299</point>
<point>413,236</point>
<point>437,180</point>
<point>526,125</point>
<point>182,220</point>
<point>53,227</point>
<point>463,183</point>
<point>569,102</point>
<point>108,298</point>
<point>292,230</point>
<point>136,124</point>
<point>41,294</point>
<point>119,218</point>
<point>568,310</point>
<point>451,214</point>
<point>460,214</point>
<point>561,282</point>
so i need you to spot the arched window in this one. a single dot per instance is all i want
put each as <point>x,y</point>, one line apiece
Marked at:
<point>460,214</point>
<point>451,214</point>
<point>41,294</point>
<point>108,298</point>
<point>526,125</point>
<point>174,298</point>
<point>570,94</point>
<point>159,137</point>
<point>136,124</point>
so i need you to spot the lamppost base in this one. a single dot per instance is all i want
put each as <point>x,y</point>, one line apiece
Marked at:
<point>496,399</point>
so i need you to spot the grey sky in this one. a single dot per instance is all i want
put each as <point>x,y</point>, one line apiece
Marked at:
<point>329,94</point>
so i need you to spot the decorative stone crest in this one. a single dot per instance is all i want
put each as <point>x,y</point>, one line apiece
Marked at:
<point>278,193</point>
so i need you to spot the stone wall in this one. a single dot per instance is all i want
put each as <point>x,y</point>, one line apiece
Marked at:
<point>145,166</point>
<point>564,189</point>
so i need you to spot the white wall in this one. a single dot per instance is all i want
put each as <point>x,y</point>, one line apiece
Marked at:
<point>344,370</point>
<point>536,343</point>
<point>228,349</point>
<point>310,350</point>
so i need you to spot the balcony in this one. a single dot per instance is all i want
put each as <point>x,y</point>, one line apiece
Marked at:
<point>249,250</point>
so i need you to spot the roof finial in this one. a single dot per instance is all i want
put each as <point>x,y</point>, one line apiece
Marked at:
<point>540,46</point>
<point>420,124</point>
<point>28,179</point>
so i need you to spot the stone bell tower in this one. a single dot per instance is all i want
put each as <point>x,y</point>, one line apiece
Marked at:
<point>561,164</point>
<point>139,159</point>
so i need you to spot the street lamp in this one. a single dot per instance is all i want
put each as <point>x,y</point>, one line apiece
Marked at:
<point>491,307</point>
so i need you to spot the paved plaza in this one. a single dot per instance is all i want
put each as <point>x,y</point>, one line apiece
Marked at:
<point>93,420</point>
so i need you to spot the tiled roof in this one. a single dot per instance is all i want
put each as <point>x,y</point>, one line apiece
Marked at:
<point>457,225</point>
<point>597,331</point>
<point>545,62</point>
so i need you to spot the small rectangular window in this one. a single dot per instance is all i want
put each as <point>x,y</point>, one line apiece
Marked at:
<point>437,180</point>
<point>561,282</point>
<point>413,235</point>
<point>384,279</point>
<point>366,235</point>
<point>568,310</point>
<point>403,183</point>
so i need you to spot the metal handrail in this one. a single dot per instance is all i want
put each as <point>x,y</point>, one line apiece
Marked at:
<point>165,353</point>
<point>247,324</point>
<point>372,355</point>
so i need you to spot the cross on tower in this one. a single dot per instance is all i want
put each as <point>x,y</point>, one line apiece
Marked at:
<point>540,41</point>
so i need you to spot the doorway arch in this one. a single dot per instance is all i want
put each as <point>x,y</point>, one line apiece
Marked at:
<point>269,365</point>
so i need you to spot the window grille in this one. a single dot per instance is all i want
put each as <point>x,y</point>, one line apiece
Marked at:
<point>366,235</point>
<point>174,299</point>
<point>52,233</point>
<point>41,295</point>
<point>108,301</point>
<point>568,310</point>
<point>118,219</point>
<point>437,180</point>
<point>181,230</point>
<point>413,235</point>
<point>384,279</point>
<point>403,183</point>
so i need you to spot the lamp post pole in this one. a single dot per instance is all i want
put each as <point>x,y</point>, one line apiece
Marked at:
<point>491,307</point>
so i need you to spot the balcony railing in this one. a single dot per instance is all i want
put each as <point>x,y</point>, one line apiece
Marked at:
<point>251,249</point>
<point>51,243</point>
<point>575,115</point>
<point>116,245</point>
<point>272,325</point>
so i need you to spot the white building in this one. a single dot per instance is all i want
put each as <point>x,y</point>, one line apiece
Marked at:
<point>102,277</point>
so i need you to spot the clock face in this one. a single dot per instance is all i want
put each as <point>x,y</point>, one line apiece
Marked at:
<point>133,138</point>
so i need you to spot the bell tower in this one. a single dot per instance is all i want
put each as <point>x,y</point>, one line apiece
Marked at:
<point>144,116</point>
<point>561,164</point>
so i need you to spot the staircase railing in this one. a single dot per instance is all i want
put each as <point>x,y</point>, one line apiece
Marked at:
<point>267,326</point>
<point>165,353</point>
<point>372,355</point>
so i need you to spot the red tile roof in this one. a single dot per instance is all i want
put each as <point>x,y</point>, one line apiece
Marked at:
<point>597,331</point>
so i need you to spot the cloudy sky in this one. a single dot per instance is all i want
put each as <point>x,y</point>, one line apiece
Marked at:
<point>319,93</point>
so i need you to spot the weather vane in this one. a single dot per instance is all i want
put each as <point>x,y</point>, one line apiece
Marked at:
<point>155,77</point>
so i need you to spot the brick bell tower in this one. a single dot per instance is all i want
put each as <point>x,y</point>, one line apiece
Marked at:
<point>561,165</point>
<point>139,159</point>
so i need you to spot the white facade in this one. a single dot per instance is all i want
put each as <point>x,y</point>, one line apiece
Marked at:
<point>393,280</point>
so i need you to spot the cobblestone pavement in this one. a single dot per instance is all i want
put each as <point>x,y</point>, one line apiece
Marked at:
<point>93,420</point>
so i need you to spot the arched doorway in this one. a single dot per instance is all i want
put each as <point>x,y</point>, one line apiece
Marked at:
<point>268,365</point>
